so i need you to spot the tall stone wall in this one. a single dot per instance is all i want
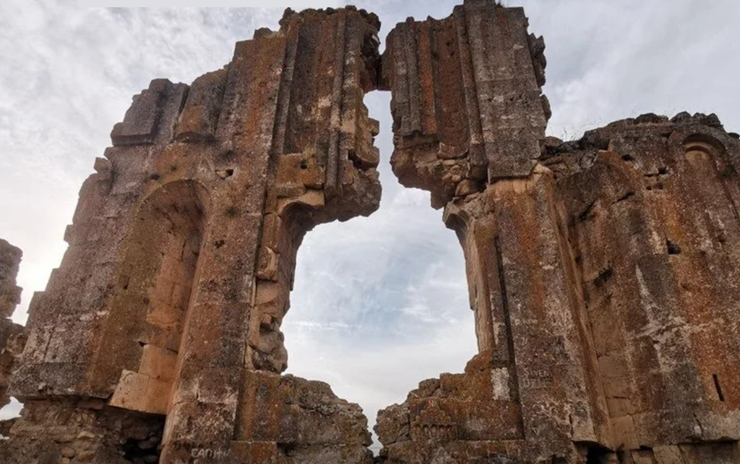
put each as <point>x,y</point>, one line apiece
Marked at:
<point>169,300</point>
<point>601,271</point>
<point>651,212</point>
<point>476,77</point>
<point>467,105</point>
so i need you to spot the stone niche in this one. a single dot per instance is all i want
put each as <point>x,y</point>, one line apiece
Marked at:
<point>161,328</point>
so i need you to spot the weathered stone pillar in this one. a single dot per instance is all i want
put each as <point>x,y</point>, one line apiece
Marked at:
<point>469,120</point>
<point>601,271</point>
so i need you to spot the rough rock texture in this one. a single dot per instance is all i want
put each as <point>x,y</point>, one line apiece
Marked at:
<point>66,430</point>
<point>603,272</point>
<point>467,105</point>
<point>182,252</point>
<point>11,334</point>
<point>651,209</point>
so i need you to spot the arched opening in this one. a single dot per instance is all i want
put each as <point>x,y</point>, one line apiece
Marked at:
<point>149,311</point>
<point>380,303</point>
<point>266,346</point>
<point>706,159</point>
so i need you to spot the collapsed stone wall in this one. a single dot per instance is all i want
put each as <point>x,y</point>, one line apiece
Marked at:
<point>651,211</point>
<point>12,335</point>
<point>67,430</point>
<point>643,215</point>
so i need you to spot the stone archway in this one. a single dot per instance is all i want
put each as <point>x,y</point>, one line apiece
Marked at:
<point>149,312</point>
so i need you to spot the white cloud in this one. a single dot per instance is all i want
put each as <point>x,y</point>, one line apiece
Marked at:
<point>295,4</point>
<point>68,75</point>
<point>612,60</point>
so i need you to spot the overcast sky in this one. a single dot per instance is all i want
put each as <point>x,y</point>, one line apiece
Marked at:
<point>380,303</point>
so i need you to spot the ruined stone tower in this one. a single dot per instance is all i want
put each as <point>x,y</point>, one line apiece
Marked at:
<point>169,300</point>
<point>602,272</point>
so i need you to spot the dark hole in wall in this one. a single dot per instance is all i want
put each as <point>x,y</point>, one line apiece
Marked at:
<point>626,196</point>
<point>141,451</point>
<point>287,449</point>
<point>603,276</point>
<point>588,212</point>
<point>728,170</point>
<point>718,387</point>
<point>356,162</point>
<point>598,455</point>
<point>673,248</point>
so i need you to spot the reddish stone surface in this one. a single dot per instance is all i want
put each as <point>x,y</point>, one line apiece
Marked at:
<point>467,105</point>
<point>601,271</point>
<point>182,252</point>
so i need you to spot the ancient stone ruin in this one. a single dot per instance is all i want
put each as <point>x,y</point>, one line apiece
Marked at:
<point>11,334</point>
<point>603,272</point>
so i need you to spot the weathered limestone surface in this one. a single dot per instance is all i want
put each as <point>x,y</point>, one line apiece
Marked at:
<point>602,272</point>
<point>65,430</point>
<point>467,105</point>
<point>11,334</point>
<point>169,300</point>
<point>652,221</point>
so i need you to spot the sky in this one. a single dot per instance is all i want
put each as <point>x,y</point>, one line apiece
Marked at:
<point>380,303</point>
